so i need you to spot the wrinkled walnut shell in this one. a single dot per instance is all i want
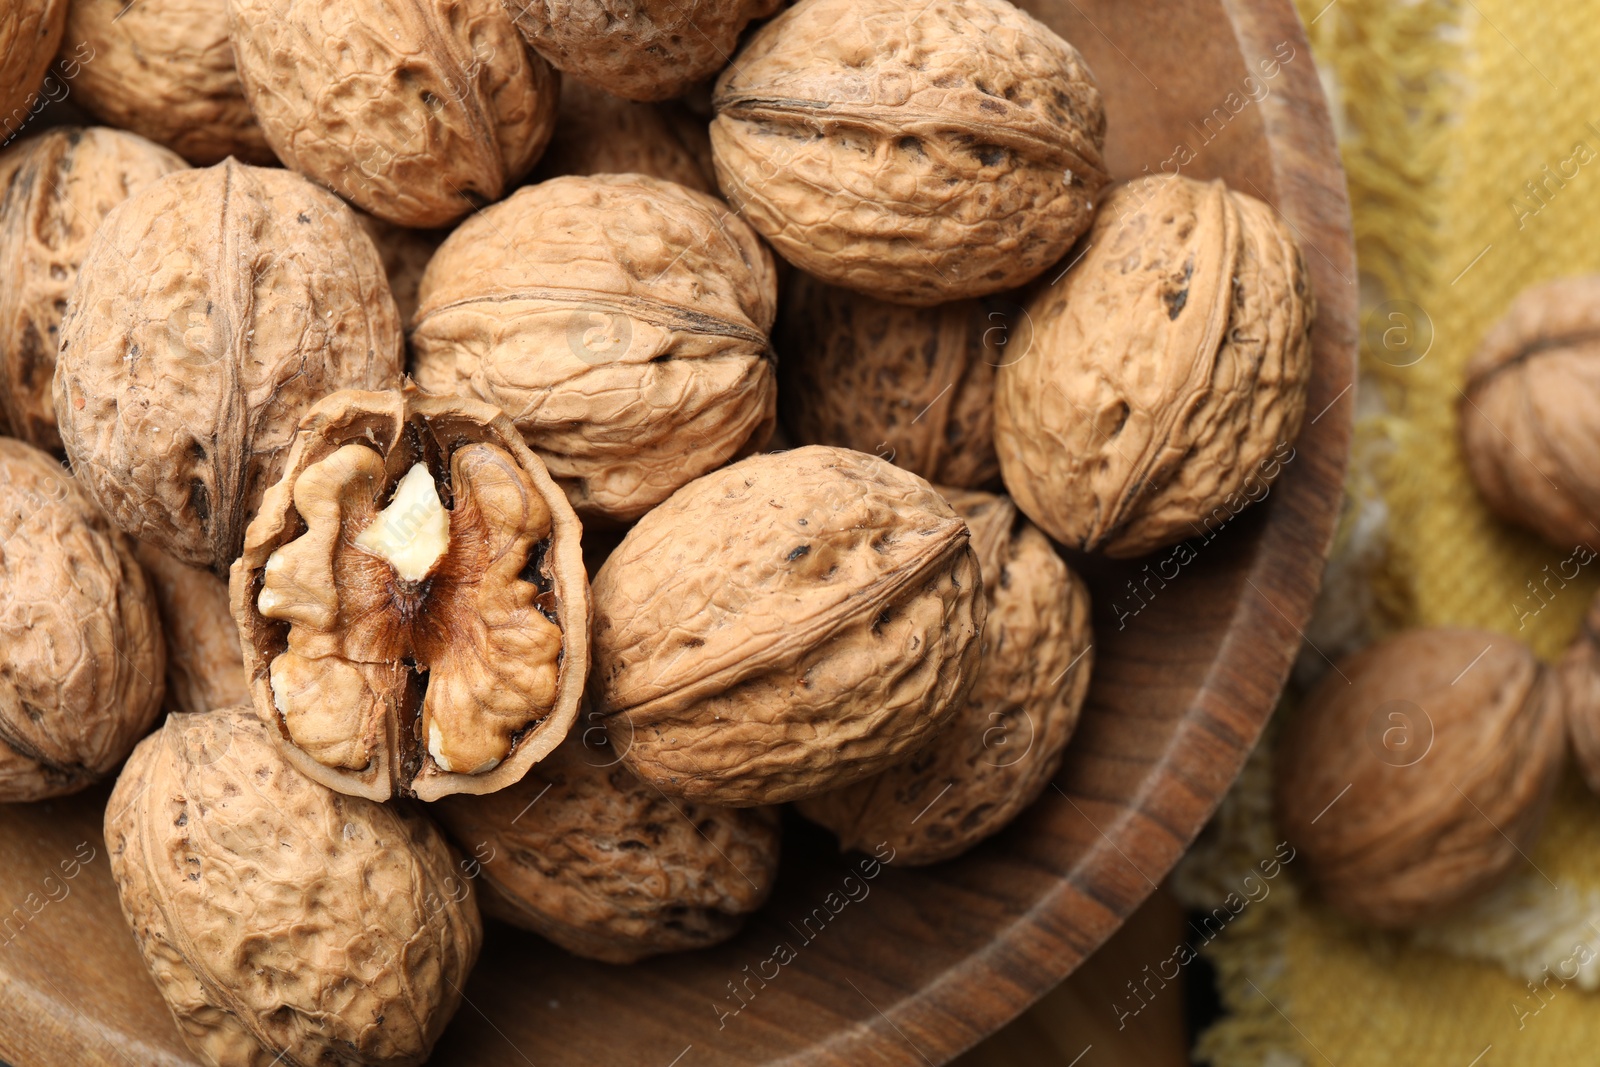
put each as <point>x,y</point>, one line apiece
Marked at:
<point>30,33</point>
<point>1526,426</point>
<point>784,626</point>
<point>621,321</point>
<point>585,854</point>
<point>212,309</point>
<point>81,655</point>
<point>405,254</point>
<point>597,133</point>
<point>913,386</point>
<point>416,111</point>
<point>918,152</point>
<point>164,69</point>
<point>1165,375</point>
<point>205,666</point>
<point>1418,773</point>
<point>640,49</point>
<point>378,685</point>
<point>277,917</point>
<point>58,186</point>
<point>1005,744</point>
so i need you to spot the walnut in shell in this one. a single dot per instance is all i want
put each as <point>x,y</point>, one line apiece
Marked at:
<point>585,854</point>
<point>1002,748</point>
<point>1579,678</point>
<point>621,321</point>
<point>164,69</point>
<point>597,133</point>
<point>405,254</point>
<point>639,49</point>
<point>1526,430</point>
<point>30,32</point>
<point>911,385</point>
<point>784,626</point>
<point>1419,772</point>
<point>284,922</point>
<point>205,666</point>
<point>81,655</point>
<point>1165,374</point>
<point>213,308</point>
<point>58,186</point>
<point>919,152</point>
<point>412,600</point>
<point>416,111</point>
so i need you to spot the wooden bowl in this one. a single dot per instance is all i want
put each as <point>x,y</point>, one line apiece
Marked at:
<point>911,966</point>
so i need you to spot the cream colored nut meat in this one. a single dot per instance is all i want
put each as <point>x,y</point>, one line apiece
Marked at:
<point>599,862</point>
<point>621,321</point>
<point>58,186</point>
<point>412,599</point>
<point>205,667</point>
<point>282,922</point>
<point>597,133</point>
<point>785,626</point>
<point>1003,747</point>
<point>416,111</point>
<point>213,308</point>
<point>164,69</point>
<point>915,151</point>
<point>81,655</point>
<point>30,33</point>
<point>1166,376</point>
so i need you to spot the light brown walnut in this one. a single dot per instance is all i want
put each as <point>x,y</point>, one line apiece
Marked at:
<point>620,320</point>
<point>282,922</point>
<point>213,308</point>
<point>597,133</point>
<point>585,854</point>
<point>405,253</point>
<point>205,666</point>
<point>785,626</point>
<point>1164,377</point>
<point>919,152</point>
<point>1579,676</point>
<point>416,111</point>
<point>30,33</point>
<point>412,600</point>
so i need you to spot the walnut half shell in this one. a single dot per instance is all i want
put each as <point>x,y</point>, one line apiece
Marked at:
<point>412,600</point>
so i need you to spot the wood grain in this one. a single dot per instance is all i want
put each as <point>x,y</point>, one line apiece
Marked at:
<point>922,964</point>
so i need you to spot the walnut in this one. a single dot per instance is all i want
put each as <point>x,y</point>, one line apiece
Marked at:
<point>417,111</point>
<point>621,321</point>
<point>412,600</point>
<point>164,69</point>
<point>1004,746</point>
<point>1418,773</point>
<point>81,655</point>
<point>30,33</point>
<point>1165,374</point>
<point>1579,677</point>
<point>785,626</point>
<point>639,49</point>
<point>1525,426</point>
<point>918,152</point>
<point>205,666</point>
<point>214,308</point>
<point>284,922</point>
<point>405,253</point>
<point>912,386</point>
<point>58,186</point>
<point>597,133</point>
<point>607,867</point>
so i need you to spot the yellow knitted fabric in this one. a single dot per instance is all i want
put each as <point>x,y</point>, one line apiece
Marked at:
<point>1460,124</point>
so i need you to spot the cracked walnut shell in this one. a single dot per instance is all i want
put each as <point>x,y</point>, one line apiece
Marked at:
<point>30,32</point>
<point>913,386</point>
<point>205,666</point>
<point>212,309</point>
<point>1164,375</point>
<point>284,922</point>
<point>1526,428</point>
<point>412,600</point>
<point>620,321</point>
<point>918,152</point>
<point>81,655</point>
<point>58,187</point>
<point>416,111</point>
<point>784,626</point>
<point>1005,744</point>
<point>1418,773</point>
<point>164,69</point>
<point>585,854</point>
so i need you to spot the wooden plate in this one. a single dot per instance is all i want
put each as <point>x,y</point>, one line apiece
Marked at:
<point>906,967</point>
